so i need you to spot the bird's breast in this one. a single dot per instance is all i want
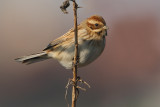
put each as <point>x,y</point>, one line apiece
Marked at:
<point>90,50</point>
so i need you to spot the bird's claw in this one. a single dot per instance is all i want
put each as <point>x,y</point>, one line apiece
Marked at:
<point>77,61</point>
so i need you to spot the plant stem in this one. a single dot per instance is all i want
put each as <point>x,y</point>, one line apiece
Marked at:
<point>74,88</point>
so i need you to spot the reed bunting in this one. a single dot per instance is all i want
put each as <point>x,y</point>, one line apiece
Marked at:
<point>91,40</point>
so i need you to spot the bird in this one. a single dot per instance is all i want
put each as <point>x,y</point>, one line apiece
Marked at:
<point>91,43</point>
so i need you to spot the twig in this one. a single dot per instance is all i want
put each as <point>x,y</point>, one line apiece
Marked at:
<point>75,88</point>
<point>67,86</point>
<point>75,61</point>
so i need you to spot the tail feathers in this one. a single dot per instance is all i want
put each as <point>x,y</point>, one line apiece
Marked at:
<point>32,58</point>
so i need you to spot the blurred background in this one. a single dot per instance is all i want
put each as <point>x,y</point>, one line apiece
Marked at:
<point>127,74</point>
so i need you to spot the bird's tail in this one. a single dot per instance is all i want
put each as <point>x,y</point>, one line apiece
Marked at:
<point>33,58</point>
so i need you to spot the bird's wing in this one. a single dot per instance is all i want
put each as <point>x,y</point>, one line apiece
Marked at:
<point>66,37</point>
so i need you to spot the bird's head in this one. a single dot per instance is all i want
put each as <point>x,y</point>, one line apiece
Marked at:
<point>97,24</point>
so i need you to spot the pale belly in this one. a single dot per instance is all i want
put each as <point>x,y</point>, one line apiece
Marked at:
<point>87,54</point>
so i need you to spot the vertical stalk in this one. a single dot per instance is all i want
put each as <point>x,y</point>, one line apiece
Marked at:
<point>75,61</point>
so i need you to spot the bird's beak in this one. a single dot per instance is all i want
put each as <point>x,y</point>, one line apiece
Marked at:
<point>105,28</point>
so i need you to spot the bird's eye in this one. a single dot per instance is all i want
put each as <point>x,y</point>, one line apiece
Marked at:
<point>96,24</point>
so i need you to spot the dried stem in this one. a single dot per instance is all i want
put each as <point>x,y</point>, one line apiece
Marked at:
<point>75,62</point>
<point>75,90</point>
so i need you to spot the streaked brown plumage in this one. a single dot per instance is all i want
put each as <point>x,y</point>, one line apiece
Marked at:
<point>91,39</point>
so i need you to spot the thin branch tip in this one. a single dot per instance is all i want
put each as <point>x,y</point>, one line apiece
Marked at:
<point>66,4</point>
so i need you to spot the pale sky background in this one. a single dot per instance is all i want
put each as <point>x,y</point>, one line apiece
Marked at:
<point>127,74</point>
